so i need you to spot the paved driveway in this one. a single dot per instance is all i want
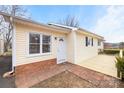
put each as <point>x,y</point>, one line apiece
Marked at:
<point>101,63</point>
<point>5,65</point>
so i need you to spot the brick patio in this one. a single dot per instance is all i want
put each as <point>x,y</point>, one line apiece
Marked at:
<point>29,75</point>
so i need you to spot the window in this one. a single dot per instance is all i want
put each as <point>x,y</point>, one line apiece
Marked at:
<point>92,41</point>
<point>99,43</point>
<point>39,44</point>
<point>86,41</point>
<point>34,43</point>
<point>46,43</point>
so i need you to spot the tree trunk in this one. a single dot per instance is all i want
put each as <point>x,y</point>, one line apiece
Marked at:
<point>6,47</point>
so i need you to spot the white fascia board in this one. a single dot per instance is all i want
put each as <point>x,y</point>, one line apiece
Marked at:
<point>63,26</point>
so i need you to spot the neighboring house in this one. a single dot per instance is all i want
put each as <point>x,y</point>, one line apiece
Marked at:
<point>113,45</point>
<point>110,45</point>
<point>107,45</point>
<point>1,44</point>
<point>35,42</point>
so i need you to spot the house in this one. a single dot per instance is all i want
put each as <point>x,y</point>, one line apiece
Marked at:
<point>113,45</point>
<point>1,44</point>
<point>34,42</point>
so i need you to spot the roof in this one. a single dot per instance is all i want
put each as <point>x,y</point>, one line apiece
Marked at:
<point>16,19</point>
<point>49,25</point>
<point>75,28</point>
<point>91,33</point>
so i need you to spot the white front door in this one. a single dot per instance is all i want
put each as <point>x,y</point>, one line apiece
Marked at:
<point>61,51</point>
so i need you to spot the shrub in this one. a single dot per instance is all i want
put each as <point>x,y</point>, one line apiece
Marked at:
<point>120,67</point>
<point>111,51</point>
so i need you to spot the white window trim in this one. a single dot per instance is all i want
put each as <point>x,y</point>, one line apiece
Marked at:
<point>38,54</point>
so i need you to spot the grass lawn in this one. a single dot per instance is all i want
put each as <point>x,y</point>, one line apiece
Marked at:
<point>64,80</point>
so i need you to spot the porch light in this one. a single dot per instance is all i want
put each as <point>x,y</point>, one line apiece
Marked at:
<point>55,38</point>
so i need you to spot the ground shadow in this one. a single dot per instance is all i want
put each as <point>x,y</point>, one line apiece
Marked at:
<point>6,65</point>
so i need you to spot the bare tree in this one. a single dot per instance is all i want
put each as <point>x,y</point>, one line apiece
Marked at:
<point>7,28</point>
<point>1,25</point>
<point>70,21</point>
<point>15,10</point>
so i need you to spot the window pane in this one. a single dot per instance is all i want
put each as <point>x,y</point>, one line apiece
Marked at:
<point>34,48</point>
<point>34,43</point>
<point>46,45</point>
<point>86,41</point>
<point>45,48</point>
<point>46,39</point>
<point>34,38</point>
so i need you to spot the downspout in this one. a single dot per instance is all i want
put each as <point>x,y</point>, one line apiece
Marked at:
<point>13,46</point>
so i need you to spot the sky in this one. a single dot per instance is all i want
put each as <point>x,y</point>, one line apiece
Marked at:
<point>107,21</point>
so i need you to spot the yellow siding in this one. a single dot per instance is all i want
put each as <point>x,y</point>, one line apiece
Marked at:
<point>22,45</point>
<point>70,47</point>
<point>83,52</point>
<point>76,49</point>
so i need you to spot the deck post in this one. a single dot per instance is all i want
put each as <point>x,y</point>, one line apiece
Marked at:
<point>121,53</point>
